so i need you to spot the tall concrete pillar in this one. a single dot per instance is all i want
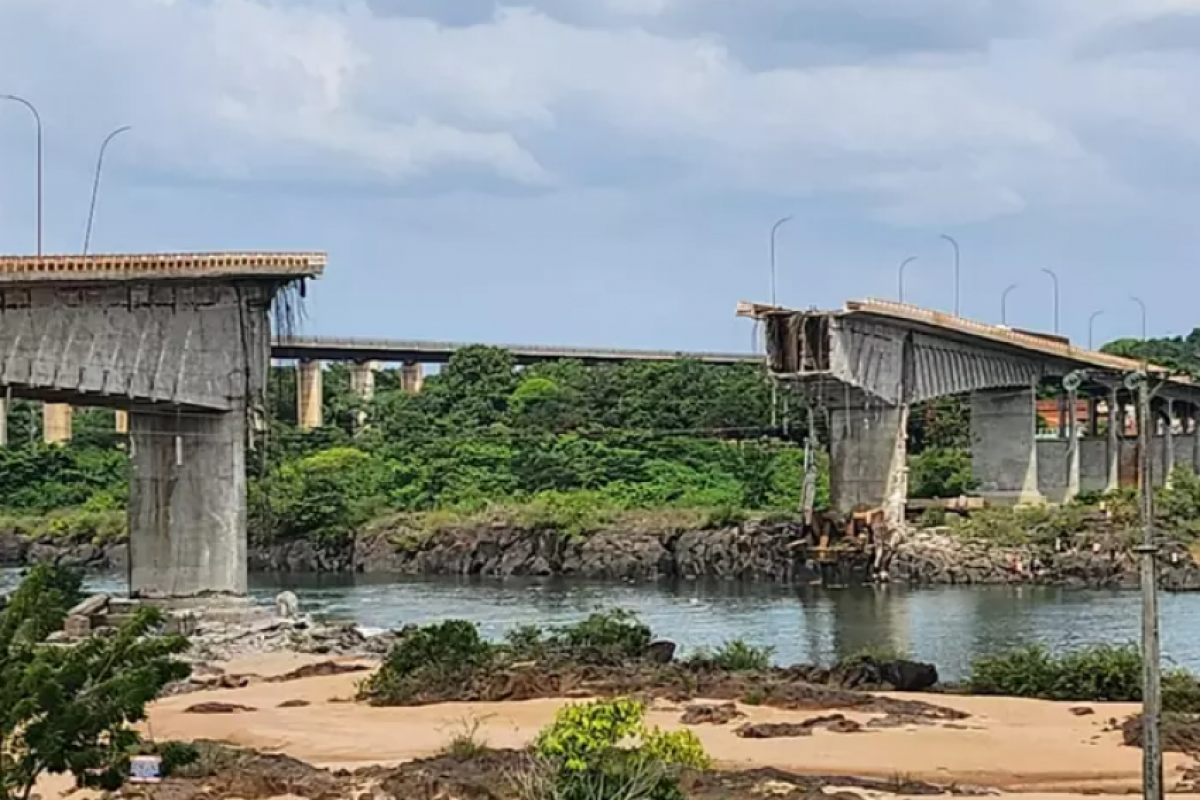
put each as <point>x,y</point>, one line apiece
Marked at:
<point>1072,427</point>
<point>362,384</point>
<point>1004,445</point>
<point>868,450</point>
<point>412,377</point>
<point>121,421</point>
<point>1195,415</point>
<point>1168,439</point>
<point>1116,422</point>
<point>309,395</point>
<point>187,504</point>
<point>3,422</point>
<point>56,423</point>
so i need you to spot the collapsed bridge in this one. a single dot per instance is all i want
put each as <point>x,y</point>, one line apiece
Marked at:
<point>868,363</point>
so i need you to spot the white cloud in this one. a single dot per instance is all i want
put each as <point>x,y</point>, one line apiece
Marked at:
<point>984,109</point>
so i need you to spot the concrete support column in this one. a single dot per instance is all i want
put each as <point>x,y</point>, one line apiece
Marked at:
<point>309,395</point>
<point>122,421</point>
<point>868,454</point>
<point>3,422</point>
<point>1115,422</point>
<point>1093,419</point>
<point>362,384</point>
<point>1168,439</point>
<point>1072,426</point>
<point>1195,414</point>
<point>56,423</point>
<point>187,504</point>
<point>1004,445</point>
<point>412,377</point>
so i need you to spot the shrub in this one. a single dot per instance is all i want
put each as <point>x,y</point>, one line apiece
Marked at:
<point>467,742</point>
<point>69,709</point>
<point>1100,673</point>
<point>583,755</point>
<point>433,659</point>
<point>735,656</point>
<point>877,654</point>
<point>604,637</point>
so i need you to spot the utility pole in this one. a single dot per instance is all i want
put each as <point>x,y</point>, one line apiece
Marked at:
<point>1152,761</point>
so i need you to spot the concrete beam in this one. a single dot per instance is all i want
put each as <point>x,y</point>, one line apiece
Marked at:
<point>310,395</point>
<point>56,423</point>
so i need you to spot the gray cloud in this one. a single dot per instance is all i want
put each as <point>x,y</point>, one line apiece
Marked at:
<point>1177,31</point>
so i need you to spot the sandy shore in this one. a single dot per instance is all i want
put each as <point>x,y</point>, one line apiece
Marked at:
<point>1036,748</point>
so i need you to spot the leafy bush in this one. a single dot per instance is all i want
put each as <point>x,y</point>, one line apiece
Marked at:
<point>432,658</point>
<point>734,656</point>
<point>69,709</point>
<point>584,755</point>
<point>941,472</point>
<point>1100,673</point>
<point>1178,503</point>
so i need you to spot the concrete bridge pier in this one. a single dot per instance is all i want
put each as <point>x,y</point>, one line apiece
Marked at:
<point>56,423</point>
<point>187,503</point>
<point>310,395</point>
<point>412,377</point>
<point>868,454</point>
<point>1004,452</point>
<point>362,384</point>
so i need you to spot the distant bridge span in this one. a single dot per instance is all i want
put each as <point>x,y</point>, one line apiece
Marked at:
<point>320,348</point>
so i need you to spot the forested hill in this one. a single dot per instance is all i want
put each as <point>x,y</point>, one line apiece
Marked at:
<point>1177,352</point>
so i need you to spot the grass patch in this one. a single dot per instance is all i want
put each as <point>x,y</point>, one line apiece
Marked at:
<point>467,741</point>
<point>75,525</point>
<point>734,656</point>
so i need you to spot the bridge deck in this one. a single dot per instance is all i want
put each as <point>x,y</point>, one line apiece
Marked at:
<point>939,322</point>
<point>340,349</point>
<point>159,266</point>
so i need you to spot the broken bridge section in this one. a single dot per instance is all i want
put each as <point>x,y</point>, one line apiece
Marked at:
<point>871,361</point>
<point>181,342</point>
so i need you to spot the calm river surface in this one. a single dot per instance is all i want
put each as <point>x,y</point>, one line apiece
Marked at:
<point>948,626</point>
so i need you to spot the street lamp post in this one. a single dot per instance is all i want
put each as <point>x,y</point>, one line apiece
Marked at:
<point>87,236</point>
<point>1004,304</point>
<point>1142,306</point>
<point>1152,761</point>
<point>954,243</point>
<point>1054,277</point>
<point>1092,326</point>
<point>900,277</point>
<point>38,119</point>
<point>774,231</point>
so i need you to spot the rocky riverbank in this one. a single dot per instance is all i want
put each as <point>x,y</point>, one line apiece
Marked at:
<point>773,552</point>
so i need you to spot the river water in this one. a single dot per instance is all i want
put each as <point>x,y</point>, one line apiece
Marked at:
<point>948,626</point>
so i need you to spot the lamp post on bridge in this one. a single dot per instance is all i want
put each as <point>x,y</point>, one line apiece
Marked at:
<point>1092,326</point>
<point>38,120</point>
<point>775,230</point>
<point>1054,277</point>
<point>900,275</point>
<point>954,243</point>
<point>1004,304</point>
<point>87,235</point>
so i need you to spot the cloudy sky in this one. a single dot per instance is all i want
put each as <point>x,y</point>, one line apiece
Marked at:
<point>607,171</point>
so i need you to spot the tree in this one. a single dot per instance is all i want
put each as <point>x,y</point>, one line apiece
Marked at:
<point>68,709</point>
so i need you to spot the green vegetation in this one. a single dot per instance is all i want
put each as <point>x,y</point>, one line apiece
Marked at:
<point>1100,673</point>
<point>555,446</point>
<point>605,749</point>
<point>734,656</point>
<point>69,709</point>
